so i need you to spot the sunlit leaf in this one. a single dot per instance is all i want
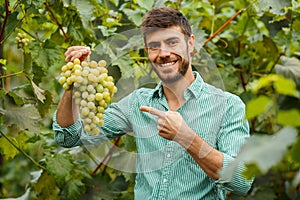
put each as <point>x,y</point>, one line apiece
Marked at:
<point>3,61</point>
<point>257,106</point>
<point>289,117</point>
<point>281,84</point>
<point>7,149</point>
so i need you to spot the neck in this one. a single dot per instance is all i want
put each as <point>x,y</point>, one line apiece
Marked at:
<point>174,92</point>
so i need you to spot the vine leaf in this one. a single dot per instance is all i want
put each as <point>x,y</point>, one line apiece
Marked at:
<point>7,149</point>
<point>25,117</point>
<point>289,67</point>
<point>275,7</point>
<point>263,150</point>
<point>38,92</point>
<point>60,167</point>
<point>257,106</point>
<point>85,9</point>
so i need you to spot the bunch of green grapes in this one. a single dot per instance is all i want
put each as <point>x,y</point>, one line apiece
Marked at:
<point>21,40</point>
<point>93,90</point>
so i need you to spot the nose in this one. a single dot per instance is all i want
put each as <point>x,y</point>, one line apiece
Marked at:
<point>164,52</point>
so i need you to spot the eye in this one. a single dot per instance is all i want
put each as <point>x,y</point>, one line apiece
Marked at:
<point>154,45</point>
<point>172,42</point>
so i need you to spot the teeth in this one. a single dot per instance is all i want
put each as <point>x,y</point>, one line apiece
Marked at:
<point>167,64</point>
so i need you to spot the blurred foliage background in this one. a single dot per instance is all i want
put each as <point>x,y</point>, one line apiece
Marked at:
<point>255,55</point>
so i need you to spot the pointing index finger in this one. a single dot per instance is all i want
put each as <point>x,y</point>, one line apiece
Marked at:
<point>152,111</point>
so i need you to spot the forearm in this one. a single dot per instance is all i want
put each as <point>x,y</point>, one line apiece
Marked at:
<point>208,158</point>
<point>67,111</point>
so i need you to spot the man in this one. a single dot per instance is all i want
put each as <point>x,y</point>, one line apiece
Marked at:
<point>186,131</point>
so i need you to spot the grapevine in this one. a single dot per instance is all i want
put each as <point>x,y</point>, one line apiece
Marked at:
<point>93,90</point>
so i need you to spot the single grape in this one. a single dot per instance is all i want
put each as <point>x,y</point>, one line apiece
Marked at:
<point>85,111</point>
<point>98,96</point>
<point>102,63</point>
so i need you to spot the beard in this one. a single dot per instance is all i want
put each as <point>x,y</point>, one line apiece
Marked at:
<point>185,63</point>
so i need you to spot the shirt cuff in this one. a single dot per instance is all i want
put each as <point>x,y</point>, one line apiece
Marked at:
<point>237,183</point>
<point>67,136</point>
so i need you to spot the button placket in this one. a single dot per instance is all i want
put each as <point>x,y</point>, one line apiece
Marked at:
<point>165,178</point>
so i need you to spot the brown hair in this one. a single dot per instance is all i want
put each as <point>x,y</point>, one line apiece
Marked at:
<point>164,17</point>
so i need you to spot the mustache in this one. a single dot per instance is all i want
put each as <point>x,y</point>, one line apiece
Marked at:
<point>162,60</point>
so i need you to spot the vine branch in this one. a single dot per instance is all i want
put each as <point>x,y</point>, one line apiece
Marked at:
<point>23,152</point>
<point>7,12</point>
<point>56,21</point>
<point>223,26</point>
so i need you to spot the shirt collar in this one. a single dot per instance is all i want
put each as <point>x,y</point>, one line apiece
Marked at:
<point>195,88</point>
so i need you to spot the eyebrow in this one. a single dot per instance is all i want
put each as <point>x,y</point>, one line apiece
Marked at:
<point>166,40</point>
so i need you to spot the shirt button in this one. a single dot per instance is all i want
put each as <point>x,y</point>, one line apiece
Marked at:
<point>165,180</point>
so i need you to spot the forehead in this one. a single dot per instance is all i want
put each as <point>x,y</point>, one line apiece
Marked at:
<point>164,34</point>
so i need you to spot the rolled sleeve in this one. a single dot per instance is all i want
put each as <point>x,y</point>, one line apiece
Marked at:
<point>234,133</point>
<point>237,184</point>
<point>69,136</point>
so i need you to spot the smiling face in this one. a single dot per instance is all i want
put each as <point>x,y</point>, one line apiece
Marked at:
<point>169,53</point>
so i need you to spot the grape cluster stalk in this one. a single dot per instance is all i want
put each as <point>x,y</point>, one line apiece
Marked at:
<point>92,88</point>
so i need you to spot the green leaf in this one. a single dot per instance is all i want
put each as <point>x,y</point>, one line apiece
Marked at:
<point>12,23</point>
<point>134,15</point>
<point>281,84</point>
<point>285,86</point>
<point>295,151</point>
<point>46,187</point>
<point>289,67</point>
<point>73,189</point>
<point>25,117</point>
<point>241,61</point>
<point>46,54</point>
<point>264,151</point>
<point>60,167</point>
<point>44,107</point>
<point>7,149</point>
<point>27,67</point>
<point>85,9</point>
<point>147,4</point>
<point>289,118</point>
<point>17,99</point>
<point>3,61</point>
<point>257,106</point>
<point>274,6</point>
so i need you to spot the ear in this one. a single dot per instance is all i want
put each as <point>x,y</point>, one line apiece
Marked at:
<point>191,43</point>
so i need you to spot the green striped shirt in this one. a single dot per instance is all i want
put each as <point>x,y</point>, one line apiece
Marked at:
<point>164,170</point>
